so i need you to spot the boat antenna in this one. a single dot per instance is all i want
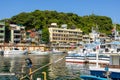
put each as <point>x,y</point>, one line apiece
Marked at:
<point>115,32</point>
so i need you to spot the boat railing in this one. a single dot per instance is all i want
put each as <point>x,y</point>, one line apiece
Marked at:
<point>111,66</point>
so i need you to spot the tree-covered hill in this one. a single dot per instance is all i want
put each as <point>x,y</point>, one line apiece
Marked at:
<point>41,19</point>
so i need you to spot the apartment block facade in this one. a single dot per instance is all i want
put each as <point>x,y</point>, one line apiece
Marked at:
<point>63,38</point>
<point>2,32</point>
<point>17,33</point>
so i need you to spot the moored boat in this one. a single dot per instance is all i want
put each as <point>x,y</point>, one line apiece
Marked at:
<point>39,52</point>
<point>89,77</point>
<point>15,52</point>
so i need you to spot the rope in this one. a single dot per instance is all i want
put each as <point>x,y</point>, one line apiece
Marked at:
<point>42,67</point>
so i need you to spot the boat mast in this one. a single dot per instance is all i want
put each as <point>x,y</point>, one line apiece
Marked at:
<point>115,32</point>
<point>97,54</point>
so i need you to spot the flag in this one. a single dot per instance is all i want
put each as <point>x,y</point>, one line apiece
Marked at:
<point>97,47</point>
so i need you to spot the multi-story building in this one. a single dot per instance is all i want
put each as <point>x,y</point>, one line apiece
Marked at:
<point>86,38</point>
<point>17,33</point>
<point>2,32</point>
<point>33,36</point>
<point>63,38</point>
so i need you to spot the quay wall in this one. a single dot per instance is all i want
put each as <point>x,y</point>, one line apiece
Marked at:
<point>22,47</point>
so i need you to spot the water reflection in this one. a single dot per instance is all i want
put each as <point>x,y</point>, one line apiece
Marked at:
<point>57,69</point>
<point>18,66</point>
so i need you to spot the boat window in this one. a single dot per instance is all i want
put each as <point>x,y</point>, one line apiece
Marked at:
<point>118,49</point>
<point>102,46</point>
<point>106,50</point>
<point>109,45</point>
<point>16,49</point>
<point>94,49</point>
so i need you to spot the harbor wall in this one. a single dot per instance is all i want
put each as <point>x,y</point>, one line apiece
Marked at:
<point>22,47</point>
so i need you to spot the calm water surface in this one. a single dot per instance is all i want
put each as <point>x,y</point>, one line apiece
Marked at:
<point>55,71</point>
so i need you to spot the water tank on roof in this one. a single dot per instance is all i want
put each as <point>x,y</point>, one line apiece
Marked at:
<point>64,26</point>
<point>53,24</point>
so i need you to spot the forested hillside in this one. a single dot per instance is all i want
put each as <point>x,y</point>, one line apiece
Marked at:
<point>41,19</point>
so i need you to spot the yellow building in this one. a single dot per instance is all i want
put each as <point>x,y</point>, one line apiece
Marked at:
<point>63,38</point>
<point>2,32</point>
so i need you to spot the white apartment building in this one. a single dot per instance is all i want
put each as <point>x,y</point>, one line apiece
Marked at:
<point>86,38</point>
<point>63,38</point>
<point>2,32</point>
<point>17,33</point>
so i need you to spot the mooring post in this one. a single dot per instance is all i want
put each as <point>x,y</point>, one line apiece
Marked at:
<point>44,73</point>
<point>30,71</point>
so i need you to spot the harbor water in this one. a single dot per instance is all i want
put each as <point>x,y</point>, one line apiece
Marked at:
<point>53,65</point>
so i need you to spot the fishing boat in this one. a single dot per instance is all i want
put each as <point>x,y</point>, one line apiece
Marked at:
<point>39,52</point>
<point>90,53</point>
<point>113,73</point>
<point>56,51</point>
<point>89,77</point>
<point>112,50</point>
<point>91,59</point>
<point>110,55</point>
<point>114,63</point>
<point>14,51</point>
<point>113,68</point>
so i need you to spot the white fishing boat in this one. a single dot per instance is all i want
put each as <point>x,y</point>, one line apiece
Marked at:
<point>88,54</point>
<point>15,52</point>
<point>56,51</point>
<point>89,77</point>
<point>112,69</point>
<point>39,52</point>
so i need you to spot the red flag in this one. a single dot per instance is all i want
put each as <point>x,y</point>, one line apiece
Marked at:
<point>97,47</point>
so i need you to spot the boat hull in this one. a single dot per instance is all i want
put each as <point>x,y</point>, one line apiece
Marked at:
<point>101,73</point>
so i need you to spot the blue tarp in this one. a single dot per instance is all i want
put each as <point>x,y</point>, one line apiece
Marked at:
<point>114,42</point>
<point>92,45</point>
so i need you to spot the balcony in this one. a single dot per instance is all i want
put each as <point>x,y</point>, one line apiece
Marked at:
<point>17,39</point>
<point>17,34</point>
<point>1,34</point>
<point>2,28</point>
<point>1,39</point>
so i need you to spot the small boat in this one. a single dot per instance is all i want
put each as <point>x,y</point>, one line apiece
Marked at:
<point>39,52</point>
<point>55,51</point>
<point>15,52</point>
<point>89,59</point>
<point>90,77</point>
<point>92,57</point>
<point>90,53</point>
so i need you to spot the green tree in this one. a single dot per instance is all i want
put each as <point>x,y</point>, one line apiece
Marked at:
<point>40,19</point>
<point>45,35</point>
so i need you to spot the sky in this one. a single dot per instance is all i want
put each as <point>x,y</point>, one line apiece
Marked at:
<point>109,8</point>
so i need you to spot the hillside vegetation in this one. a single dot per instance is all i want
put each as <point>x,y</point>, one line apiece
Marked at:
<point>42,19</point>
